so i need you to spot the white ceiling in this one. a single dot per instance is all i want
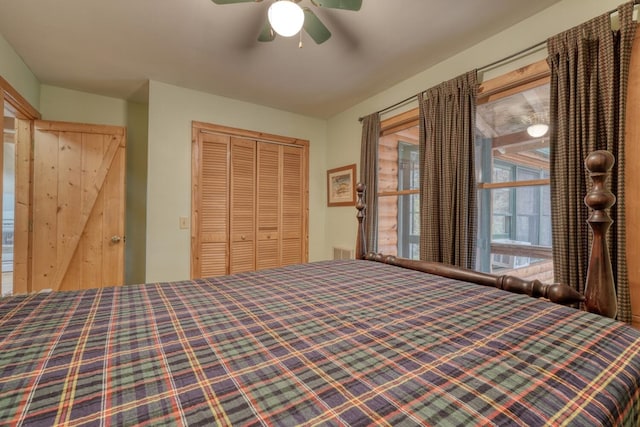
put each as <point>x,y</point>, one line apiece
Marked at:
<point>113,47</point>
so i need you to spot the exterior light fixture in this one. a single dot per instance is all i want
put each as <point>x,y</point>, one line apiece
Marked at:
<point>536,130</point>
<point>286,18</point>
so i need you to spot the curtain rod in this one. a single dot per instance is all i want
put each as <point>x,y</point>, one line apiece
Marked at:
<point>485,67</point>
<point>488,66</point>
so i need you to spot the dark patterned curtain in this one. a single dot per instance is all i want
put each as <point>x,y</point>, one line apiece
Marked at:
<point>589,69</point>
<point>448,224</point>
<point>369,177</point>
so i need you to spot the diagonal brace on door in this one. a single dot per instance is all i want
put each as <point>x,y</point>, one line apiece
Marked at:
<point>93,192</point>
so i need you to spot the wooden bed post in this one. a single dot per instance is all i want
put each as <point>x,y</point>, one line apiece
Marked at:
<point>600,292</point>
<point>361,241</point>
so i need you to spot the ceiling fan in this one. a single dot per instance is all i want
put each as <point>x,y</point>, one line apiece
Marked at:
<point>311,23</point>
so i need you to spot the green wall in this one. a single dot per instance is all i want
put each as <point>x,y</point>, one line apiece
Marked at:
<point>344,129</point>
<point>136,183</point>
<point>171,111</point>
<point>19,76</point>
<point>159,138</point>
<point>66,105</point>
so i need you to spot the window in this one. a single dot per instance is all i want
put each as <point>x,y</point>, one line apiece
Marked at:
<point>408,204</point>
<point>514,233</point>
<point>514,217</point>
<point>398,187</point>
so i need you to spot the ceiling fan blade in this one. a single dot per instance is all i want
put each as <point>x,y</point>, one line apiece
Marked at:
<point>339,4</point>
<point>267,34</point>
<point>314,27</point>
<point>234,1</point>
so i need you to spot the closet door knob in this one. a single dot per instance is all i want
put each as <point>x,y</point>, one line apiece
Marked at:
<point>243,237</point>
<point>116,239</point>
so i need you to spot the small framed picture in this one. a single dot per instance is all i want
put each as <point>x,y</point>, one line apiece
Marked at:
<point>341,186</point>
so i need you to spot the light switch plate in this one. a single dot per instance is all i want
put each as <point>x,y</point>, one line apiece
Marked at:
<point>184,222</point>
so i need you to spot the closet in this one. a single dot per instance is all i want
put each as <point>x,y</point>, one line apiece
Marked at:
<point>249,200</point>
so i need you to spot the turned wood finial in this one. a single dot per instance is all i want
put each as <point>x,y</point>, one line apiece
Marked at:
<point>600,292</point>
<point>556,292</point>
<point>361,242</point>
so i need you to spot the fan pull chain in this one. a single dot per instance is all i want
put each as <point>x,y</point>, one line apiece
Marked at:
<point>300,42</point>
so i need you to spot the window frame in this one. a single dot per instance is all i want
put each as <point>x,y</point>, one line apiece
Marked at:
<point>529,76</point>
<point>520,80</point>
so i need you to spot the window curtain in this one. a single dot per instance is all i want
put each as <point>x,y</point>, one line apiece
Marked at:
<point>448,217</point>
<point>369,177</point>
<point>589,69</point>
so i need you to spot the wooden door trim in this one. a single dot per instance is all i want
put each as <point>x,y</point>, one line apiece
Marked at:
<point>48,126</point>
<point>631,178</point>
<point>22,107</point>
<point>25,115</point>
<point>196,201</point>
<point>248,134</point>
<point>23,203</point>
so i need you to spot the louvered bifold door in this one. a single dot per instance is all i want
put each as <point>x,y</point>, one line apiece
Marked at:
<point>292,239</point>
<point>268,205</point>
<point>243,200</point>
<point>214,206</point>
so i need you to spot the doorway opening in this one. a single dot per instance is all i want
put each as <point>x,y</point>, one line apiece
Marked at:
<point>8,161</point>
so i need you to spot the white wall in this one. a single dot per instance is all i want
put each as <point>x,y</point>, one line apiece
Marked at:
<point>171,111</point>
<point>344,130</point>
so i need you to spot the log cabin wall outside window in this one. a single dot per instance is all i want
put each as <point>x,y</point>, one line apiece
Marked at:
<point>398,191</point>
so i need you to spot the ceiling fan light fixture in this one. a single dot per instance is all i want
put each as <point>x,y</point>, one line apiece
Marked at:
<point>286,18</point>
<point>537,130</point>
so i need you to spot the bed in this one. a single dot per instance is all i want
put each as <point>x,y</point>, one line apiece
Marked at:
<point>350,342</point>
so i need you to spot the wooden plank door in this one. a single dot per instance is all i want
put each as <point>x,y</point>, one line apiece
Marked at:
<point>78,206</point>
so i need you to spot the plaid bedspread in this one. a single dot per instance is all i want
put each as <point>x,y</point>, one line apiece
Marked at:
<point>327,343</point>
